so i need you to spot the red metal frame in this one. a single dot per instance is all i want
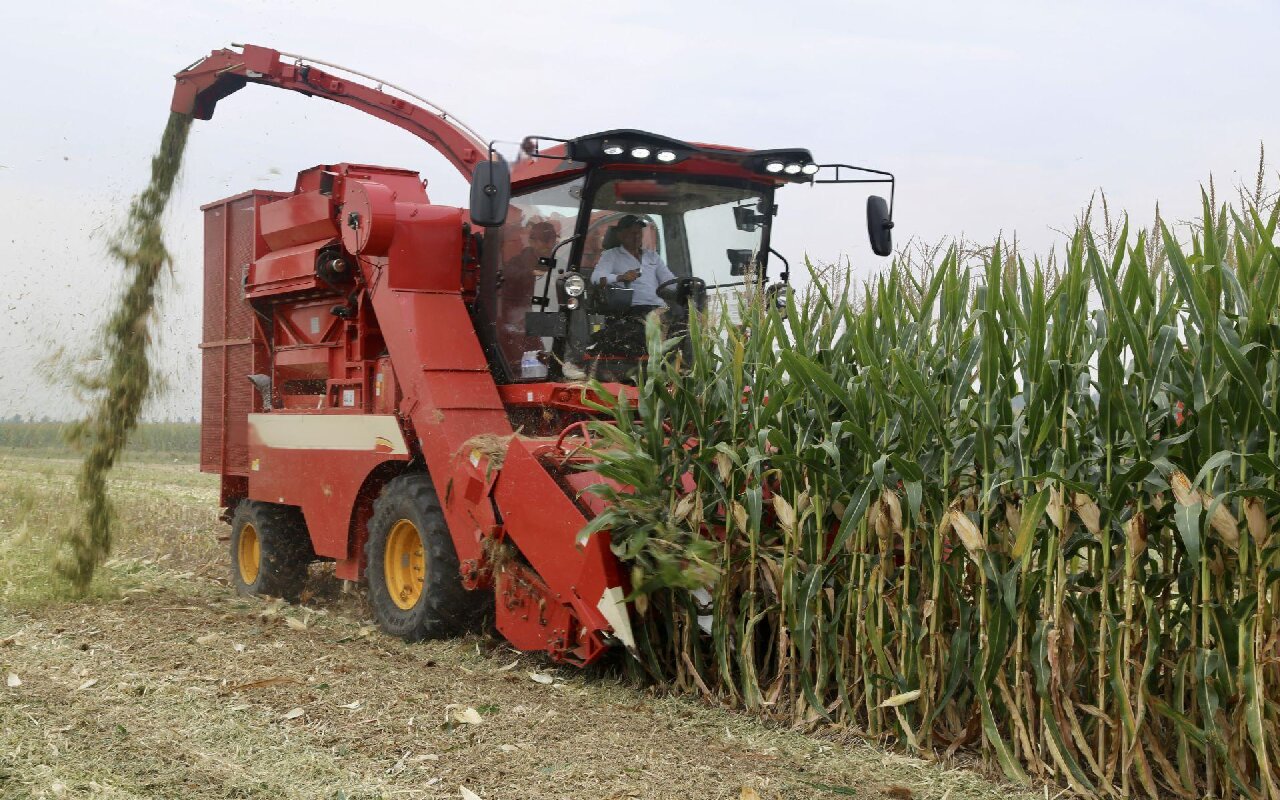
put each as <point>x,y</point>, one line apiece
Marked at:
<point>203,84</point>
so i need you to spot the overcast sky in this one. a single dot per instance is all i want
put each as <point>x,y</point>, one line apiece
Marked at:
<point>996,117</point>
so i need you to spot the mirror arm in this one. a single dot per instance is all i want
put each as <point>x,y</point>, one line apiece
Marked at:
<point>532,146</point>
<point>785,277</point>
<point>542,300</point>
<point>888,178</point>
<point>491,188</point>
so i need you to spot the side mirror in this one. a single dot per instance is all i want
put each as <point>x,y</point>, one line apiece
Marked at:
<point>490,193</point>
<point>739,261</point>
<point>746,218</point>
<point>879,226</point>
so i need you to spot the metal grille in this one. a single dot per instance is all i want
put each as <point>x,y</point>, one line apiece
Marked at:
<point>231,349</point>
<point>214,330</point>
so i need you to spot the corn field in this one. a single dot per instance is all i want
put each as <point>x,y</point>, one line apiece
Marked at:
<point>1022,509</point>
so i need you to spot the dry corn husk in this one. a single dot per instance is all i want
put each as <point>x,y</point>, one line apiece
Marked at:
<point>1013,517</point>
<point>1224,522</point>
<point>1221,519</point>
<point>786,514</point>
<point>838,509</point>
<point>1255,515</point>
<point>893,510</point>
<point>1057,509</point>
<point>724,467</point>
<point>969,534</point>
<point>901,699</point>
<point>1088,512</point>
<point>1135,531</point>
<point>885,517</point>
<point>683,506</point>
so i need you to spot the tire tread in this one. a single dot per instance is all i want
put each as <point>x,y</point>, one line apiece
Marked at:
<point>447,609</point>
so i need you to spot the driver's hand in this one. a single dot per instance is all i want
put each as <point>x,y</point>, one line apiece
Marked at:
<point>630,275</point>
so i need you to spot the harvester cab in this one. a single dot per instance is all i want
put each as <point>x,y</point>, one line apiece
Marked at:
<point>640,222</point>
<point>380,371</point>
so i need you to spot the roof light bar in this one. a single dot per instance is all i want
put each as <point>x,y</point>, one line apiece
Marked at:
<point>627,146</point>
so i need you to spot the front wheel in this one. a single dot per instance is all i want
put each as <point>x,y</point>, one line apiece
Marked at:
<point>415,587</point>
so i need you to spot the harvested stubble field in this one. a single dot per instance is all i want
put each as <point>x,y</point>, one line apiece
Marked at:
<point>165,684</point>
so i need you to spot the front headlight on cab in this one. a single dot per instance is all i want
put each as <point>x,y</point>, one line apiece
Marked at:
<point>575,285</point>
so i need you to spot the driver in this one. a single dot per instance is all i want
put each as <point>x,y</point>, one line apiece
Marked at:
<point>643,270</point>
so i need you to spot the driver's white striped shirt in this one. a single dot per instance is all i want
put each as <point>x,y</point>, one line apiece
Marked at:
<point>653,273</point>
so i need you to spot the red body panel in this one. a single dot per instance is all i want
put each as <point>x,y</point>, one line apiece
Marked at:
<point>296,220</point>
<point>289,270</point>
<point>326,495</point>
<point>320,463</point>
<point>232,345</point>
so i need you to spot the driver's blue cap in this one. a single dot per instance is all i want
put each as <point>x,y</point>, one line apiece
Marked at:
<point>631,221</point>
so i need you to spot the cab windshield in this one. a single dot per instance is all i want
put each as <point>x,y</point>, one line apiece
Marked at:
<point>714,231</point>
<point>711,229</point>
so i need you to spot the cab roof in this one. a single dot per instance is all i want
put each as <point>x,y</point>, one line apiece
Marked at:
<point>544,157</point>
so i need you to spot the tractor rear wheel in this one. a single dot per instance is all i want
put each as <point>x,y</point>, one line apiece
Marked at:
<point>270,550</point>
<point>415,587</point>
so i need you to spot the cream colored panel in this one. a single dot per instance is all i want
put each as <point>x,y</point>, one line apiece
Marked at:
<point>378,433</point>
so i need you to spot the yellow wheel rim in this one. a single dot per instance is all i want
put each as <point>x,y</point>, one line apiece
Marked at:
<point>405,564</point>
<point>249,554</point>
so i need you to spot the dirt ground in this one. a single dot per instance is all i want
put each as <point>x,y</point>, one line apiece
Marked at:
<point>164,684</point>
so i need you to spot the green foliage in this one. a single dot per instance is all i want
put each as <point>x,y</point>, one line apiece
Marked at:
<point>969,485</point>
<point>166,439</point>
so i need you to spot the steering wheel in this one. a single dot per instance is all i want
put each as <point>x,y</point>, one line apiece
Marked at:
<point>689,287</point>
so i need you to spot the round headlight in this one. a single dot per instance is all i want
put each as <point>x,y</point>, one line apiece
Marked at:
<point>792,169</point>
<point>773,166</point>
<point>666,156</point>
<point>575,285</point>
<point>809,169</point>
<point>613,150</point>
<point>640,152</point>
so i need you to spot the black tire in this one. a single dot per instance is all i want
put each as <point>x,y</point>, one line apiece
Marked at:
<point>442,607</point>
<point>283,552</point>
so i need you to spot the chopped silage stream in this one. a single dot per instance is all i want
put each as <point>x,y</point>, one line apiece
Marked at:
<point>125,382</point>
<point>171,686</point>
